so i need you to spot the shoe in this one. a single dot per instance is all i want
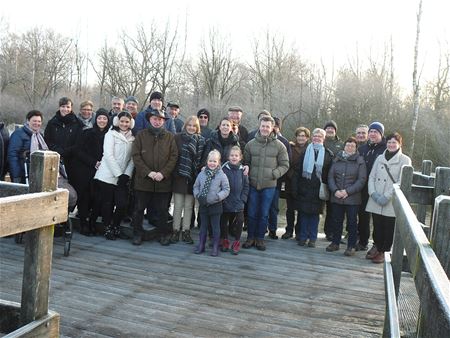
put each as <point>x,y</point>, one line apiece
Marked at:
<point>225,245</point>
<point>201,245</point>
<point>332,247</point>
<point>287,235</point>
<point>302,242</point>
<point>260,245</point>
<point>379,258</point>
<point>186,237</point>
<point>360,247</point>
<point>215,248</point>
<point>372,252</point>
<point>84,227</point>
<point>109,233</point>
<point>349,252</point>
<point>137,240</point>
<point>311,244</point>
<point>175,238</point>
<point>248,243</point>
<point>164,240</point>
<point>235,247</point>
<point>273,234</point>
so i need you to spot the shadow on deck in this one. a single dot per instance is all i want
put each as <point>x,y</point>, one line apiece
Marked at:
<point>114,289</point>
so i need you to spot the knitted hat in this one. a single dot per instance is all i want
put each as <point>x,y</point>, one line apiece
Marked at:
<point>330,123</point>
<point>131,99</point>
<point>157,96</point>
<point>101,111</point>
<point>378,126</point>
<point>203,111</point>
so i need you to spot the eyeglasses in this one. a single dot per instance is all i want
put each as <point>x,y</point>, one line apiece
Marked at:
<point>84,109</point>
<point>203,117</point>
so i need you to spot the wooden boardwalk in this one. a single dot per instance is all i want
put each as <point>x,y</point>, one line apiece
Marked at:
<point>114,289</point>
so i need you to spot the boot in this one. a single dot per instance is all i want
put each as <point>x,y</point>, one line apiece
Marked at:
<point>175,237</point>
<point>235,247</point>
<point>225,245</point>
<point>84,227</point>
<point>93,225</point>
<point>201,244</point>
<point>109,233</point>
<point>186,237</point>
<point>215,248</point>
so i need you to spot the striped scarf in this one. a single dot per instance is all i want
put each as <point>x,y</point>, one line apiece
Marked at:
<point>190,156</point>
<point>209,177</point>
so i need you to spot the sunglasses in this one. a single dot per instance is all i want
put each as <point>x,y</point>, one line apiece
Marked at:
<point>203,117</point>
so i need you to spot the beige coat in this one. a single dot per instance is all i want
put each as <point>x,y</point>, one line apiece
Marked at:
<point>380,182</point>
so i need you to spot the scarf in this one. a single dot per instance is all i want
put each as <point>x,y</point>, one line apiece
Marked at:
<point>388,155</point>
<point>37,141</point>
<point>310,160</point>
<point>209,177</point>
<point>190,156</point>
<point>87,123</point>
<point>128,135</point>
<point>155,131</point>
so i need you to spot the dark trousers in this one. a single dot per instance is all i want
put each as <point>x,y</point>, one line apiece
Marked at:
<point>85,201</point>
<point>212,221</point>
<point>108,196</point>
<point>383,232</point>
<point>363,223</point>
<point>329,223</point>
<point>233,220</point>
<point>158,201</point>
<point>339,212</point>
<point>290,216</point>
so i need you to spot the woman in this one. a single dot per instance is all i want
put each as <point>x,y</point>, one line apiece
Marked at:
<point>312,169</point>
<point>346,180</point>
<point>385,172</point>
<point>222,139</point>
<point>114,172</point>
<point>190,144</point>
<point>298,147</point>
<point>88,156</point>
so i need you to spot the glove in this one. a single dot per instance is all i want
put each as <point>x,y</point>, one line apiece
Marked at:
<point>123,180</point>
<point>383,200</point>
<point>202,201</point>
<point>376,197</point>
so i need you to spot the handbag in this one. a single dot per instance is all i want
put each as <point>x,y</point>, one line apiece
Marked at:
<point>324,193</point>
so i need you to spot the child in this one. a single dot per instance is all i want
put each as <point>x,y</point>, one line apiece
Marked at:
<point>210,188</point>
<point>233,205</point>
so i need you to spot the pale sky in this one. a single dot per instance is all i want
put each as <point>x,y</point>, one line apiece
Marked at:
<point>319,29</point>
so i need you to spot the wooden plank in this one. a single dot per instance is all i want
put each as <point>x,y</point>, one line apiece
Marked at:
<point>9,316</point>
<point>426,171</point>
<point>422,195</point>
<point>391,321</point>
<point>46,326</point>
<point>442,182</point>
<point>440,232</point>
<point>11,189</point>
<point>48,208</point>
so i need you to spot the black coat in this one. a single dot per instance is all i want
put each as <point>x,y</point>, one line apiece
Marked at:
<point>306,191</point>
<point>370,152</point>
<point>239,188</point>
<point>214,143</point>
<point>4,141</point>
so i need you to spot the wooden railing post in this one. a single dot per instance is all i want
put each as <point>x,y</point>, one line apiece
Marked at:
<point>39,243</point>
<point>440,232</point>
<point>398,245</point>
<point>422,209</point>
<point>442,181</point>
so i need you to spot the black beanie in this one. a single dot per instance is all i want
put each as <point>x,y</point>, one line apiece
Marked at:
<point>203,111</point>
<point>156,95</point>
<point>101,111</point>
<point>330,123</point>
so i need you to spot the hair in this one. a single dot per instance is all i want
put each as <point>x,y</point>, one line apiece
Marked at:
<point>351,139</point>
<point>214,153</point>
<point>119,116</point>
<point>302,130</point>
<point>264,113</point>
<point>203,111</point>
<point>116,98</point>
<point>32,113</point>
<point>320,131</point>
<point>396,136</point>
<point>86,103</point>
<point>235,148</point>
<point>267,119</point>
<point>225,118</point>
<point>65,100</point>
<point>365,126</point>
<point>194,119</point>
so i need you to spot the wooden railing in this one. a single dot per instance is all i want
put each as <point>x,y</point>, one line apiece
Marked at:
<point>33,209</point>
<point>428,263</point>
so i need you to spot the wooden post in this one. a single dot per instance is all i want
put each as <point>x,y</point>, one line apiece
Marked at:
<point>422,209</point>
<point>39,243</point>
<point>440,232</point>
<point>442,181</point>
<point>398,246</point>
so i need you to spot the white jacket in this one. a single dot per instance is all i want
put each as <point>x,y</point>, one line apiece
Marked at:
<point>116,158</point>
<point>380,182</point>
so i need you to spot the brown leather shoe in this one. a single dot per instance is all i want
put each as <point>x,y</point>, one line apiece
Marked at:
<point>248,243</point>
<point>332,247</point>
<point>260,245</point>
<point>372,252</point>
<point>379,258</point>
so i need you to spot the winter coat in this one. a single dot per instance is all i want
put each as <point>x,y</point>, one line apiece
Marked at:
<point>156,153</point>
<point>218,191</point>
<point>178,123</point>
<point>347,174</point>
<point>116,158</point>
<point>239,187</point>
<point>142,123</point>
<point>335,145</point>
<point>206,132</point>
<point>380,182</point>
<point>88,151</point>
<point>4,143</point>
<point>296,151</point>
<point>214,143</point>
<point>19,145</point>
<point>268,160</point>
<point>370,152</point>
<point>306,191</point>
<point>61,135</point>
<point>242,136</point>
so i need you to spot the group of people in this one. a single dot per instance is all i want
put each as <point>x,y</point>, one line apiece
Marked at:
<point>122,162</point>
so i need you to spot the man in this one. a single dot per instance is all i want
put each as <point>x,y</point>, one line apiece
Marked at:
<point>268,160</point>
<point>362,134</point>
<point>374,147</point>
<point>174,112</point>
<point>131,105</point>
<point>156,103</point>
<point>251,135</point>
<point>117,105</point>
<point>335,145</point>
<point>86,114</point>
<point>273,213</point>
<point>154,155</point>
<point>203,117</point>
<point>235,115</point>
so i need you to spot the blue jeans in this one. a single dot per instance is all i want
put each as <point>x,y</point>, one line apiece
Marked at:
<point>309,226</point>
<point>273,212</point>
<point>339,211</point>
<point>259,202</point>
